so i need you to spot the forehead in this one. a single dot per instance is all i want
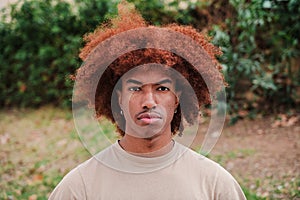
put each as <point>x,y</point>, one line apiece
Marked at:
<point>149,74</point>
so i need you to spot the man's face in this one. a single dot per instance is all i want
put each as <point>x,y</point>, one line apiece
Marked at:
<point>148,101</point>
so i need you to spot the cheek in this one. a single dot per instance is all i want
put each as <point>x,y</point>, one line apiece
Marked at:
<point>132,106</point>
<point>125,103</point>
<point>170,104</point>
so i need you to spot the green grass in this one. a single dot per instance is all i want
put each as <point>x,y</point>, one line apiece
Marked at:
<point>38,147</point>
<point>251,195</point>
<point>267,189</point>
<point>225,157</point>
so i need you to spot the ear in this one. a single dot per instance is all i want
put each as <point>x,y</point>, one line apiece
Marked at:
<point>177,94</point>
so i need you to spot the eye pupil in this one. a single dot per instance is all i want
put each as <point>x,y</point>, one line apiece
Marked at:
<point>163,89</point>
<point>134,89</point>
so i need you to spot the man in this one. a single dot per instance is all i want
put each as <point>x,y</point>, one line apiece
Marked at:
<point>147,93</point>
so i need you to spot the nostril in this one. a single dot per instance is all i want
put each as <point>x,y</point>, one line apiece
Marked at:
<point>149,107</point>
<point>149,103</point>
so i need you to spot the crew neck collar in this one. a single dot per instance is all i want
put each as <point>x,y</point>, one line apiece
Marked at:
<point>117,158</point>
<point>162,151</point>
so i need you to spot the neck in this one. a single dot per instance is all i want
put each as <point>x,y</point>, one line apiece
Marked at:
<point>148,147</point>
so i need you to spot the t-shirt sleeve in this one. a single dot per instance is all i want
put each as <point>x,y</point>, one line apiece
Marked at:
<point>71,187</point>
<point>227,188</point>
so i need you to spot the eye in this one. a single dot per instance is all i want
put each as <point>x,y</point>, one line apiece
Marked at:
<point>162,88</point>
<point>134,89</point>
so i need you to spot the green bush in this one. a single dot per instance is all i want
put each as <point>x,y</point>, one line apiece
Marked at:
<point>40,42</point>
<point>260,43</point>
<point>161,12</point>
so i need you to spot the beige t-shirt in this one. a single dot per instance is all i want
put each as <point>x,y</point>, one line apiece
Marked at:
<point>180,174</point>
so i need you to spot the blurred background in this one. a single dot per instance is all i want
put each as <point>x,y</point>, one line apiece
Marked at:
<point>39,45</point>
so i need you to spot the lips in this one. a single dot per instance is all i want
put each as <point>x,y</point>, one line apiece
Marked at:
<point>148,117</point>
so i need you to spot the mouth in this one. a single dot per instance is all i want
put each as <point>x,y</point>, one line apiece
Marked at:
<point>149,118</point>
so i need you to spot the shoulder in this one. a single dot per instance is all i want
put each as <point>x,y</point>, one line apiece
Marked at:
<point>199,161</point>
<point>70,187</point>
<point>73,185</point>
<point>221,182</point>
<point>203,163</point>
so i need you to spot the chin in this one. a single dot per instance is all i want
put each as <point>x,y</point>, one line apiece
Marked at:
<point>146,131</point>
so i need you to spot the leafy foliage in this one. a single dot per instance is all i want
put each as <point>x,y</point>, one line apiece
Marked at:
<point>261,46</point>
<point>39,47</point>
<point>40,41</point>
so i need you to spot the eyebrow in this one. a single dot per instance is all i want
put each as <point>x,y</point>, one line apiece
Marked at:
<point>140,83</point>
<point>134,81</point>
<point>164,81</point>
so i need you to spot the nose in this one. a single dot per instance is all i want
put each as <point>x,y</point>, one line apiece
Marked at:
<point>149,101</point>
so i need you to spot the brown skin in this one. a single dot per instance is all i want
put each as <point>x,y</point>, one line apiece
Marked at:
<point>148,100</point>
<point>128,19</point>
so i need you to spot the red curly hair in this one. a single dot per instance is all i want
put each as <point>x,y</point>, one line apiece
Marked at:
<point>128,18</point>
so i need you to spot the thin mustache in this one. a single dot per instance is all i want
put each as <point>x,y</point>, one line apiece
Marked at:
<point>148,111</point>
